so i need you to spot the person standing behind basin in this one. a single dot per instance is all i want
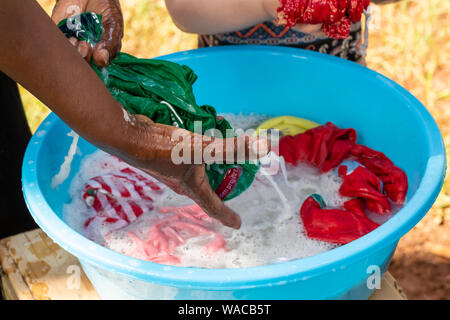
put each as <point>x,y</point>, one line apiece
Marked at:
<point>38,56</point>
<point>216,22</point>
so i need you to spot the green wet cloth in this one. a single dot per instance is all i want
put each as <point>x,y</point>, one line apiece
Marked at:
<point>145,86</point>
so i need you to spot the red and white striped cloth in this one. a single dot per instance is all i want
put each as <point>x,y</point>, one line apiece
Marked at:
<point>118,199</point>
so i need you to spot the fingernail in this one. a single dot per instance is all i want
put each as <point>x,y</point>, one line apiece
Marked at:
<point>83,51</point>
<point>236,223</point>
<point>103,57</point>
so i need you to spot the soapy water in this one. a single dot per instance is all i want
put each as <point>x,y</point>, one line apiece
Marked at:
<point>64,170</point>
<point>271,231</point>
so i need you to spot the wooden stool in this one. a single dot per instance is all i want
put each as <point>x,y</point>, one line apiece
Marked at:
<point>33,267</point>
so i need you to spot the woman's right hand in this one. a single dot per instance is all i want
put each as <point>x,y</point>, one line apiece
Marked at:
<point>155,148</point>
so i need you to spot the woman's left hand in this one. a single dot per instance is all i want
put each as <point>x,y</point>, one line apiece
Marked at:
<point>112,23</point>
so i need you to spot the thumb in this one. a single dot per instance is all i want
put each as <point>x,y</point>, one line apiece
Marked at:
<point>67,8</point>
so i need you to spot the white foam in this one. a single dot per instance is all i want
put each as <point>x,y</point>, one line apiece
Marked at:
<point>64,170</point>
<point>126,115</point>
<point>240,121</point>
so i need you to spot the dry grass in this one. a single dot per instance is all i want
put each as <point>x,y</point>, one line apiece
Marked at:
<point>411,45</point>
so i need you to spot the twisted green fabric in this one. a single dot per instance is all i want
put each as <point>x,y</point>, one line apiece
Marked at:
<point>147,86</point>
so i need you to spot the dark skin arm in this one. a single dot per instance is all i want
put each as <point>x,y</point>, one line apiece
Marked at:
<point>37,55</point>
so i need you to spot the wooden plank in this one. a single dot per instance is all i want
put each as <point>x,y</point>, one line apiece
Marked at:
<point>46,269</point>
<point>12,279</point>
<point>34,267</point>
<point>6,288</point>
<point>390,290</point>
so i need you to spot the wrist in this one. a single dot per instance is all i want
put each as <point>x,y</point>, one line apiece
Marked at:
<point>117,133</point>
<point>128,141</point>
<point>142,141</point>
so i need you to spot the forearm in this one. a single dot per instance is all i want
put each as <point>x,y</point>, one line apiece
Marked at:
<point>37,55</point>
<point>218,16</point>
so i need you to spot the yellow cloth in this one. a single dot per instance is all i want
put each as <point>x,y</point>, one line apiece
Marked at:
<point>287,125</point>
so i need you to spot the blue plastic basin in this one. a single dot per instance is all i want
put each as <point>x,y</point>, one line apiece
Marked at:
<point>275,81</point>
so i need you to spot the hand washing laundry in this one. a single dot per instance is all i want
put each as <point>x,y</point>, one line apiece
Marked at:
<point>162,90</point>
<point>128,211</point>
<point>319,199</point>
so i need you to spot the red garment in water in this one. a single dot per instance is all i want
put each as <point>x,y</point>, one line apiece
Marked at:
<point>335,15</point>
<point>363,184</point>
<point>324,147</point>
<point>369,184</point>
<point>168,233</point>
<point>355,206</point>
<point>120,198</point>
<point>395,181</point>
<point>334,225</point>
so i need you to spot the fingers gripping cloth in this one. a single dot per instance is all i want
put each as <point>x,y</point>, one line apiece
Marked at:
<point>369,177</point>
<point>162,91</point>
<point>335,15</point>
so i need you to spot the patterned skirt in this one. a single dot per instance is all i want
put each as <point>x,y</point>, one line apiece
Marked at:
<point>268,33</point>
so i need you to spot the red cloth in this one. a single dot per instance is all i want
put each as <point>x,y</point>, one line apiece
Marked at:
<point>363,184</point>
<point>395,181</point>
<point>355,206</point>
<point>118,199</point>
<point>324,147</point>
<point>168,233</point>
<point>335,15</point>
<point>334,225</point>
<point>370,184</point>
